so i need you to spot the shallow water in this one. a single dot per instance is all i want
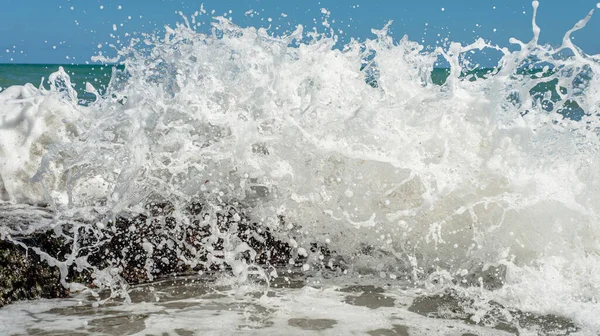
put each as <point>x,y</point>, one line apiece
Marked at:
<point>187,306</point>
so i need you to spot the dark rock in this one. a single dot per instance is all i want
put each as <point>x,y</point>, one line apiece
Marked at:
<point>24,276</point>
<point>452,305</point>
<point>143,247</point>
<point>181,249</point>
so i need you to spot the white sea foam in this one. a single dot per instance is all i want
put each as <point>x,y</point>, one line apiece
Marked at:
<point>32,121</point>
<point>405,177</point>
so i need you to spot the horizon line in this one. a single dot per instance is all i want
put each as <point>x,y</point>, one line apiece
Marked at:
<point>117,64</point>
<point>60,64</point>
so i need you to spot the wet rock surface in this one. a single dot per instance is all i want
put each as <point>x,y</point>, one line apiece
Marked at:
<point>452,305</point>
<point>139,247</point>
<point>24,276</point>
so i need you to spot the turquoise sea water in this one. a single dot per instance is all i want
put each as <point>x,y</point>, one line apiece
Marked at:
<point>21,74</point>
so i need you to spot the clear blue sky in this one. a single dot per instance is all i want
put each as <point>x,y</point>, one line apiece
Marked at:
<point>63,31</point>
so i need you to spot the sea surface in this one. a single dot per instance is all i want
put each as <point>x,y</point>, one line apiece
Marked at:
<point>37,74</point>
<point>411,199</point>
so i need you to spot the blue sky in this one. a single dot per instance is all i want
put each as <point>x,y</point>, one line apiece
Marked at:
<point>63,31</point>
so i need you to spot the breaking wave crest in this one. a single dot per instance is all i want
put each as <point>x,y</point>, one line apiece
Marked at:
<point>352,156</point>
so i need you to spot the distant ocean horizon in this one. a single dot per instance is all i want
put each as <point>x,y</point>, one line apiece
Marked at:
<point>20,74</point>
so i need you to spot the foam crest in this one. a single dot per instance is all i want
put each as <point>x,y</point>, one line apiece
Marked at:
<point>33,121</point>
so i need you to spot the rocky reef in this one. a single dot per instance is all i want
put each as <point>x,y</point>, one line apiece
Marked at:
<point>23,275</point>
<point>139,247</point>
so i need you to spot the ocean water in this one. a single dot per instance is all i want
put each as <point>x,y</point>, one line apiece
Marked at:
<point>416,200</point>
<point>37,74</point>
